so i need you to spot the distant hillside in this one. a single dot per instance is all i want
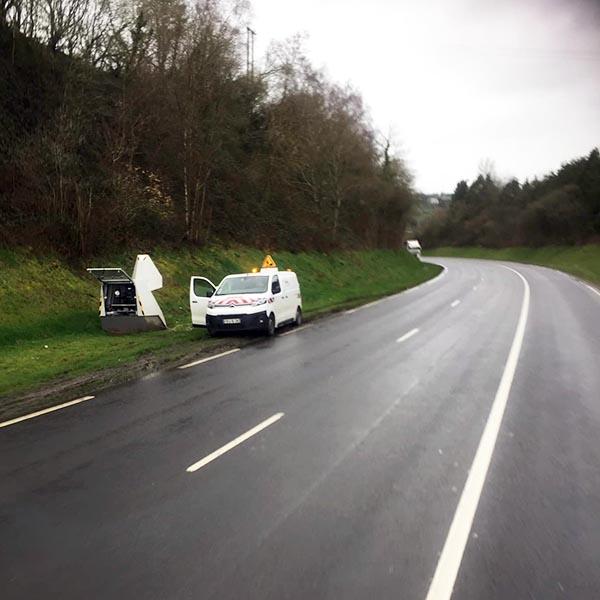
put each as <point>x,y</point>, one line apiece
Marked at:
<point>424,205</point>
<point>561,208</point>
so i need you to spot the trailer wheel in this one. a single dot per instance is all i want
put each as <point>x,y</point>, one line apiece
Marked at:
<point>298,320</point>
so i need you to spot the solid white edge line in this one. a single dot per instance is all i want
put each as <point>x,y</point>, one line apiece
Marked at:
<point>408,291</point>
<point>407,335</point>
<point>203,360</point>
<point>455,303</point>
<point>444,578</point>
<point>593,289</point>
<point>353,310</point>
<point>45,411</point>
<point>295,330</point>
<point>238,440</point>
<point>431,281</point>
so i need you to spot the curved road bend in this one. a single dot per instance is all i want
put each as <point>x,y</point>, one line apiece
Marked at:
<point>331,463</point>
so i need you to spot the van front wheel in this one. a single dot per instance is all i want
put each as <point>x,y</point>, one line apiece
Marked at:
<point>271,326</point>
<point>298,320</point>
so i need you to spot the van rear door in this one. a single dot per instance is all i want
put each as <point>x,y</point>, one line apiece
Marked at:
<point>201,289</point>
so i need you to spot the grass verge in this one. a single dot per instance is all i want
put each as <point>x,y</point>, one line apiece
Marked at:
<point>581,261</point>
<point>50,336</point>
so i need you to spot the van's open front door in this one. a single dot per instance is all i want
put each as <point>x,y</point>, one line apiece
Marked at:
<point>201,289</point>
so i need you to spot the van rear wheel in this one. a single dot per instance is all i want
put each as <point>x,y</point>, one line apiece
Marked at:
<point>271,326</point>
<point>298,320</point>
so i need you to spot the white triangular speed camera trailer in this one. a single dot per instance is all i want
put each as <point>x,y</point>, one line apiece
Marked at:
<point>127,304</point>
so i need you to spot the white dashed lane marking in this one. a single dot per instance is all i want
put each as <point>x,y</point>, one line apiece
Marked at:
<point>408,335</point>
<point>203,360</point>
<point>238,440</point>
<point>46,411</point>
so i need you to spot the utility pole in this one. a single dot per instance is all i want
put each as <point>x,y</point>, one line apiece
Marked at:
<point>250,51</point>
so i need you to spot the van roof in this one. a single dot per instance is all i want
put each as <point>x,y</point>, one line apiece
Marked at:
<point>261,272</point>
<point>244,275</point>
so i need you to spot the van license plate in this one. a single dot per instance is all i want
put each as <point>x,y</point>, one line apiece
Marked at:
<point>231,321</point>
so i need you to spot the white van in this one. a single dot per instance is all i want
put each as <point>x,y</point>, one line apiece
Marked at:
<point>262,300</point>
<point>414,247</point>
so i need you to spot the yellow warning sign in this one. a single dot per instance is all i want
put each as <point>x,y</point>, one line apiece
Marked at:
<point>268,262</point>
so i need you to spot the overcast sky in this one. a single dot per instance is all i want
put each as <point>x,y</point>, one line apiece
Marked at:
<point>459,81</point>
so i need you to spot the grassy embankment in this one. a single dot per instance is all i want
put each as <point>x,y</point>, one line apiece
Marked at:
<point>50,330</point>
<point>581,261</point>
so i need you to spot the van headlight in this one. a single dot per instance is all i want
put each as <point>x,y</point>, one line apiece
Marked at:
<point>259,301</point>
<point>211,304</point>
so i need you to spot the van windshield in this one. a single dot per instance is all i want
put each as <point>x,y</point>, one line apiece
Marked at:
<point>243,285</point>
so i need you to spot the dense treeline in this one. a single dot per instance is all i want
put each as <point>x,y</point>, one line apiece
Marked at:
<point>127,121</point>
<point>561,208</point>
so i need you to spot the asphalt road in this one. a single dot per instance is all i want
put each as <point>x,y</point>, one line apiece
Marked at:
<point>369,437</point>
